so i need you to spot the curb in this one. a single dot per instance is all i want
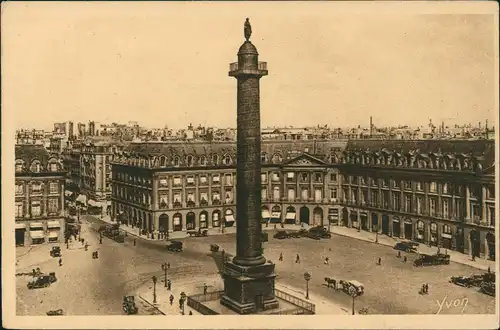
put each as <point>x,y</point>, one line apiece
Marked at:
<point>150,304</point>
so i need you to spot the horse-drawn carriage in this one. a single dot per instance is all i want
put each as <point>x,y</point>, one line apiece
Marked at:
<point>197,233</point>
<point>352,287</point>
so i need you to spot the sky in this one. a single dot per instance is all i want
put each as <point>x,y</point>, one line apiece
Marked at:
<point>167,64</point>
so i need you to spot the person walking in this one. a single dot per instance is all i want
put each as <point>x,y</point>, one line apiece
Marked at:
<point>171,298</point>
<point>326,260</point>
<point>205,288</point>
<point>426,288</point>
<point>399,254</point>
<point>169,285</point>
<point>405,259</point>
<point>379,262</point>
<point>297,259</point>
<point>190,312</point>
<point>281,257</point>
<point>60,261</point>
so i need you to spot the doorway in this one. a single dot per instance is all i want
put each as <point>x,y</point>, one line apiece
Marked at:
<point>304,215</point>
<point>408,230</point>
<point>20,237</point>
<point>385,224</point>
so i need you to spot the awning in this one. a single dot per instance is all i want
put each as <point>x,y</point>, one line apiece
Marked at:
<point>82,199</point>
<point>68,193</point>
<point>53,224</point>
<point>290,216</point>
<point>275,217</point>
<point>36,225</point>
<point>420,236</point>
<point>53,233</point>
<point>94,203</point>
<point>395,220</point>
<point>229,220</point>
<point>36,234</point>
<point>20,225</point>
<point>407,221</point>
<point>266,214</point>
<point>446,235</point>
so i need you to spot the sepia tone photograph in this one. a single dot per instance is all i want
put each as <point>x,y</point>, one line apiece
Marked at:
<point>268,164</point>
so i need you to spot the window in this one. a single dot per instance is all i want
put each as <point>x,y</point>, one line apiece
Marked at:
<point>19,209</point>
<point>203,161</point>
<point>177,161</point>
<point>407,203</point>
<point>395,183</point>
<point>36,209</point>
<point>216,179</point>
<point>263,177</point>
<point>215,196</point>
<point>229,179</point>
<point>318,177</point>
<point>276,176</point>
<point>491,192</point>
<point>229,196</point>
<point>385,182</point>
<point>491,217</point>
<point>177,198</point>
<point>432,187</point>
<point>304,177</point>
<point>333,193</point>
<point>291,194</point>
<point>362,180</point>
<point>163,182</point>
<point>53,188</point>
<point>203,179</point>
<point>19,167</point>
<point>407,185</point>
<point>215,159</point>
<point>446,214</point>
<point>432,207</point>
<point>446,189</point>
<point>203,220</point>
<point>354,196</point>
<point>263,193</point>
<point>419,186</point>
<point>190,197</point>
<point>35,167</point>
<point>318,195</point>
<point>163,201</point>
<point>19,189</point>
<point>333,177</point>
<point>36,187</point>
<point>227,160</point>
<point>53,167</point>
<point>177,181</point>
<point>475,191</point>
<point>364,196</point>
<point>190,180</point>
<point>216,219</point>
<point>189,160</point>
<point>396,201</point>
<point>53,205</point>
<point>373,182</point>
<point>420,203</point>
<point>374,198</point>
<point>385,199</point>
<point>276,193</point>
<point>290,176</point>
<point>203,198</point>
<point>305,194</point>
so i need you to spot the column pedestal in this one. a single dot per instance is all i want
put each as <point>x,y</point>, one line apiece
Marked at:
<point>248,290</point>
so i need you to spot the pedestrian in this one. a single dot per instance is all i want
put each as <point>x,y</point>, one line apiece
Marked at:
<point>473,257</point>
<point>171,298</point>
<point>297,260</point>
<point>169,285</point>
<point>489,269</point>
<point>399,254</point>
<point>379,262</point>
<point>439,250</point>
<point>60,261</point>
<point>281,257</point>
<point>426,288</point>
<point>83,241</point>
<point>100,240</point>
<point>405,259</point>
<point>274,226</point>
<point>134,242</point>
<point>205,288</point>
<point>326,260</point>
<point>190,313</point>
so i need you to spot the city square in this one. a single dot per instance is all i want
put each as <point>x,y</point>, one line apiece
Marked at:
<point>125,269</point>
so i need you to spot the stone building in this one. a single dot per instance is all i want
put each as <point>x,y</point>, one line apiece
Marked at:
<point>440,192</point>
<point>39,196</point>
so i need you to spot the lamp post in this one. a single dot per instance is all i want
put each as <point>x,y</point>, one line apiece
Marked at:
<point>154,289</point>
<point>353,294</point>
<point>165,267</point>
<point>183,298</point>
<point>307,277</point>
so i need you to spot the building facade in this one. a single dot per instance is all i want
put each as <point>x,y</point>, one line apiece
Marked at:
<point>39,196</point>
<point>435,192</point>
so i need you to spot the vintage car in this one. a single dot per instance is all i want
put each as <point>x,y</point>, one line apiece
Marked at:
<point>436,259</point>
<point>281,234</point>
<point>42,281</point>
<point>129,306</point>
<point>264,237</point>
<point>57,312</point>
<point>461,281</point>
<point>197,233</point>
<point>175,246</point>
<point>488,288</point>
<point>313,235</point>
<point>352,288</point>
<point>55,251</point>
<point>320,231</point>
<point>298,234</point>
<point>407,246</point>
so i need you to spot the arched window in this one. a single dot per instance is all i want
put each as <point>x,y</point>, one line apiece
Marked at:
<point>189,160</point>
<point>215,159</point>
<point>177,161</point>
<point>276,159</point>
<point>19,165</point>
<point>203,160</point>
<point>263,157</point>
<point>35,166</point>
<point>163,161</point>
<point>227,160</point>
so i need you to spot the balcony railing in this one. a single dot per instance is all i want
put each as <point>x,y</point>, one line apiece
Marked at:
<point>235,66</point>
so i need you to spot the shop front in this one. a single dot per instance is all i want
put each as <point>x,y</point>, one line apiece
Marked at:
<point>364,220</point>
<point>20,233</point>
<point>229,218</point>
<point>177,222</point>
<point>333,216</point>
<point>446,241</point>
<point>290,215</point>
<point>385,224</point>
<point>275,214</point>
<point>216,219</point>
<point>396,227</point>
<point>266,215</point>
<point>37,233</point>
<point>190,221</point>
<point>54,231</point>
<point>408,232</point>
<point>433,239</point>
<point>354,219</point>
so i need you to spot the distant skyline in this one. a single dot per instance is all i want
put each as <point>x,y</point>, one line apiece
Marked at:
<point>167,64</point>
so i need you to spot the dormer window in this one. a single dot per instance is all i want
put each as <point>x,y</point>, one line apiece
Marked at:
<point>215,159</point>
<point>227,160</point>
<point>19,166</point>
<point>53,167</point>
<point>189,160</point>
<point>177,162</point>
<point>35,167</point>
<point>203,161</point>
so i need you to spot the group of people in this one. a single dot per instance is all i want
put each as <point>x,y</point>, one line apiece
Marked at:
<point>424,289</point>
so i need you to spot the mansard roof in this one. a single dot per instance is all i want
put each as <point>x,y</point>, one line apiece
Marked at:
<point>29,153</point>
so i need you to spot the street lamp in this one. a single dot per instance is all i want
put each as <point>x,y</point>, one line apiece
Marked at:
<point>183,299</point>
<point>307,277</point>
<point>353,294</point>
<point>165,267</point>
<point>154,289</point>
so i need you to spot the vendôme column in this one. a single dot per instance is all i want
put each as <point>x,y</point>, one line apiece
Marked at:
<point>248,279</point>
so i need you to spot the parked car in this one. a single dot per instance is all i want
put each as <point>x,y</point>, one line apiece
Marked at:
<point>298,234</point>
<point>129,306</point>
<point>488,288</point>
<point>407,246</point>
<point>42,281</point>
<point>314,235</point>
<point>320,231</point>
<point>436,259</point>
<point>352,287</point>
<point>198,233</point>
<point>281,234</point>
<point>461,281</point>
<point>175,246</point>
<point>55,251</point>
